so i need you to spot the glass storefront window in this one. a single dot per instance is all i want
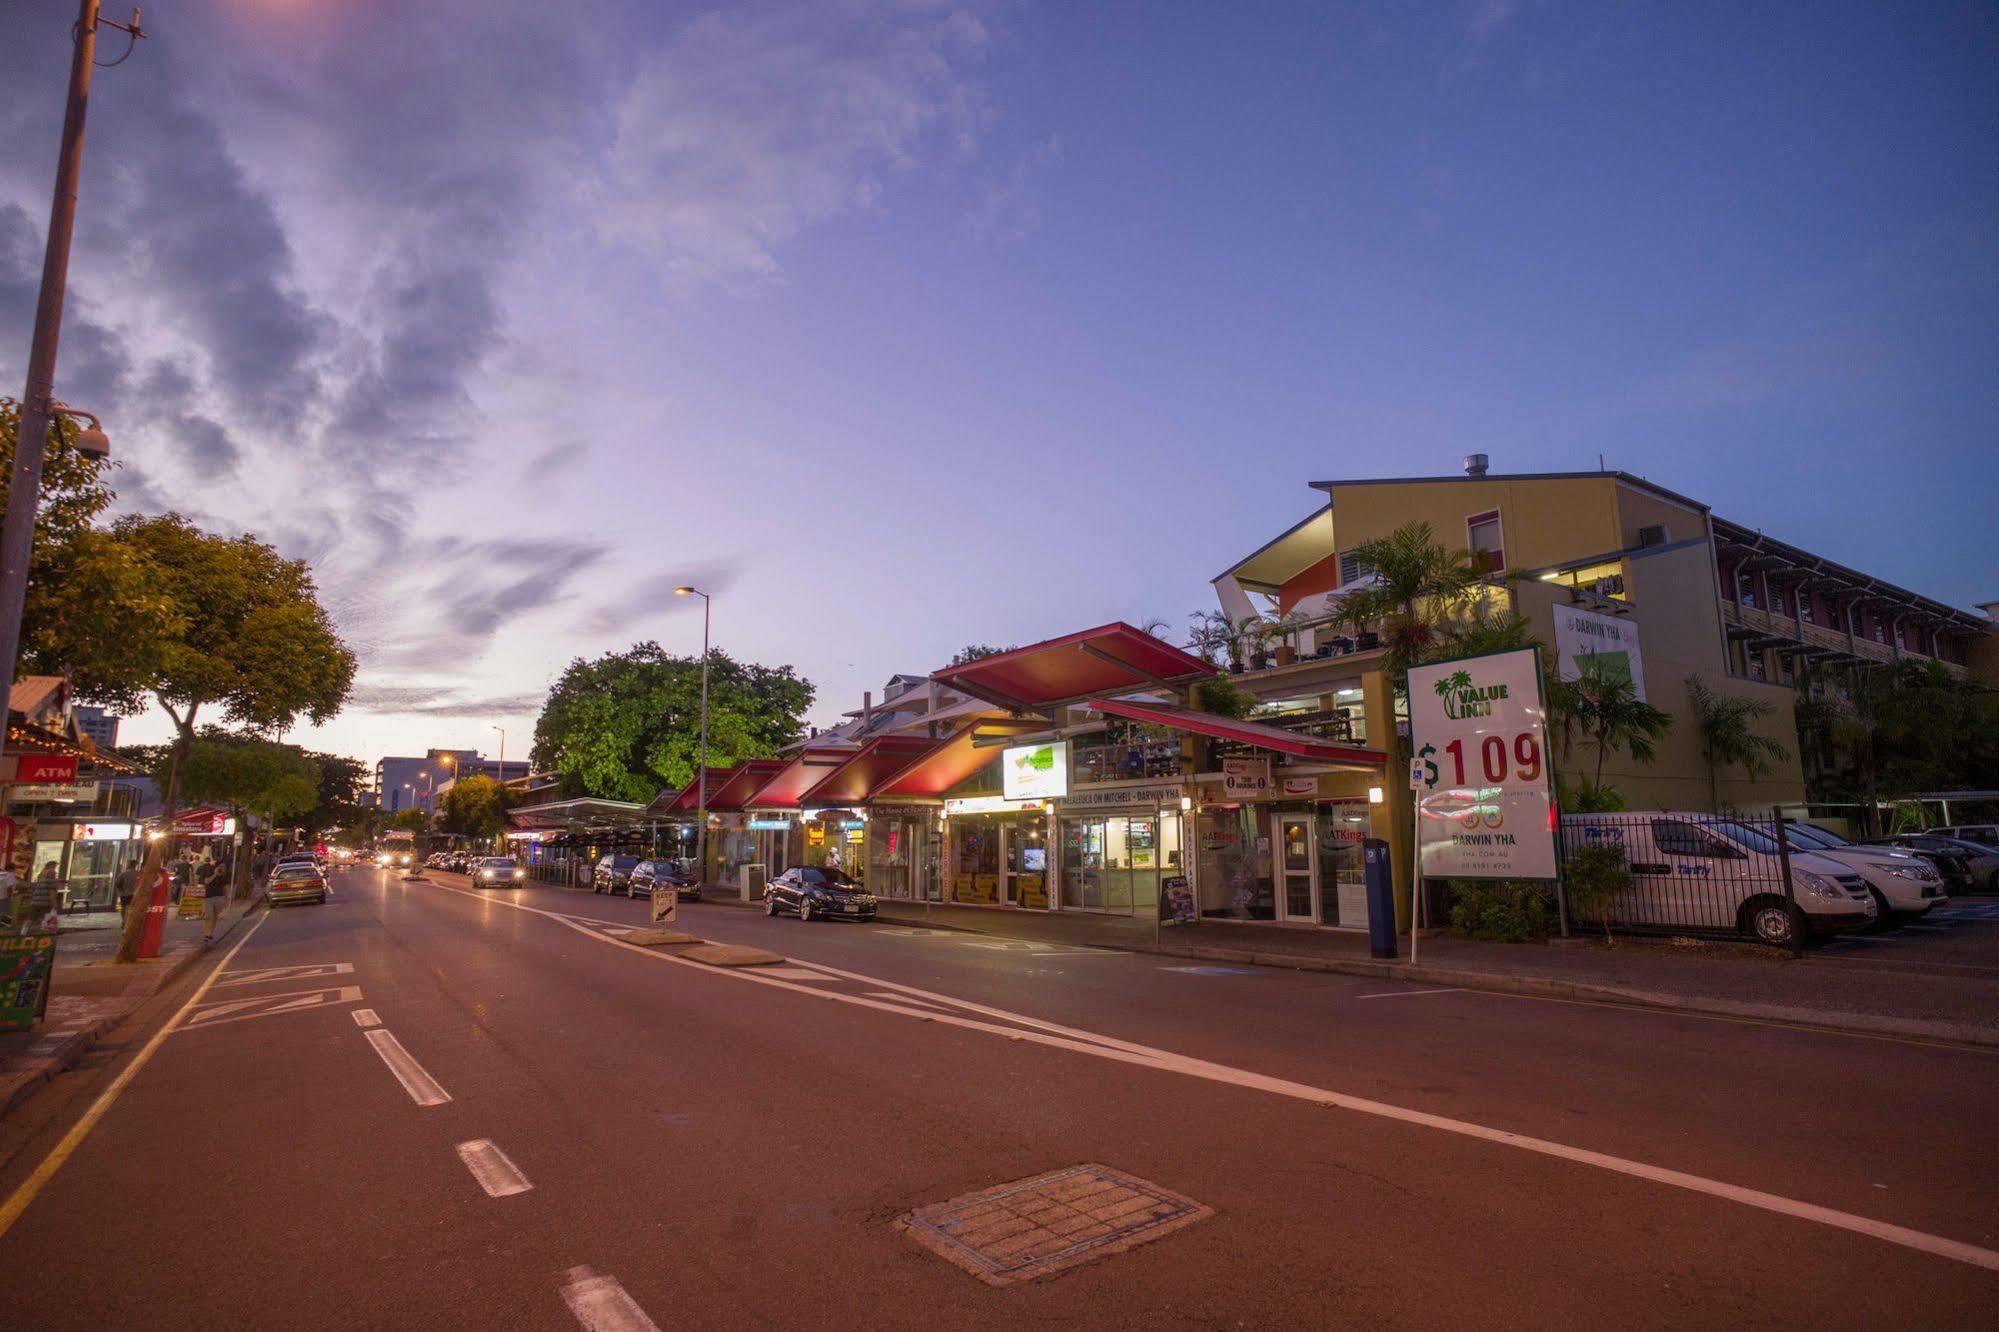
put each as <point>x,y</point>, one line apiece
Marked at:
<point>1115,863</point>
<point>1343,826</point>
<point>1235,867</point>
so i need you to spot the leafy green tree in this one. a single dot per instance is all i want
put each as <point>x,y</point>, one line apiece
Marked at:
<point>1883,732</point>
<point>87,592</point>
<point>1419,591</point>
<point>1728,736</point>
<point>247,775</point>
<point>976,652</point>
<point>476,807</point>
<point>340,783</point>
<point>627,723</point>
<point>247,638</point>
<point>409,820</point>
<point>1602,702</point>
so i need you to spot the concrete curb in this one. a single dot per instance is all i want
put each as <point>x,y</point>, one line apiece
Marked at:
<point>1539,987</point>
<point>57,1052</point>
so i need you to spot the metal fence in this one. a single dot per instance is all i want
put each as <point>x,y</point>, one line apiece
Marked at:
<point>1695,874</point>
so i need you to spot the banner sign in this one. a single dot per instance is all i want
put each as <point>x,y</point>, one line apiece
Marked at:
<point>47,769</point>
<point>1611,639</point>
<point>1485,807</point>
<point>1246,776</point>
<point>208,820</point>
<point>53,791</point>
<point>1121,797</point>
<point>1035,772</point>
<point>26,962</point>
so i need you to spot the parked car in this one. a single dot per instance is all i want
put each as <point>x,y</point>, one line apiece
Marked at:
<point>1985,834</point>
<point>459,862</point>
<point>293,881</point>
<point>613,874</point>
<point>810,891</point>
<point>1695,872</point>
<point>650,874</point>
<point>1965,866</point>
<point>1905,886</point>
<point>497,872</point>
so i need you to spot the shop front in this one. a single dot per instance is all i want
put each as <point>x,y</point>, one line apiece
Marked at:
<point>998,851</point>
<point>1118,843</point>
<point>905,848</point>
<point>1292,857</point>
<point>835,839</point>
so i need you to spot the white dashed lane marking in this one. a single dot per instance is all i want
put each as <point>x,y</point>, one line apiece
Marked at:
<point>600,1304</point>
<point>422,1087</point>
<point>365,1017</point>
<point>496,1173</point>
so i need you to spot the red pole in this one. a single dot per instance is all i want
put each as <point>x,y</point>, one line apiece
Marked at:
<point>156,916</point>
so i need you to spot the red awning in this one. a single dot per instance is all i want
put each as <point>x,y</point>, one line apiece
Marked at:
<point>955,759</point>
<point>689,799</point>
<point>736,791</point>
<point>1260,734</point>
<point>1110,659</point>
<point>849,783</point>
<point>792,780</point>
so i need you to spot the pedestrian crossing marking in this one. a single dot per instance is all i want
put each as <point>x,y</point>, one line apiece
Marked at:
<point>266,1005</point>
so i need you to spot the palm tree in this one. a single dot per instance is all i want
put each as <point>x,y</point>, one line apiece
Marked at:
<point>1606,706</point>
<point>1419,591</point>
<point>1727,738</point>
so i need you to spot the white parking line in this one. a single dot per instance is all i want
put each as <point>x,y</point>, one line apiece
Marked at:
<point>422,1087</point>
<point>1404,994</point>
<point>365,1017</point>
<point>601,1304</point>
<point>496,1174</point>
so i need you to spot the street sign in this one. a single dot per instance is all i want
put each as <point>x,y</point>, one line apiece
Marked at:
<point>665,905</point>
<point>25,964</point>
<point>67,791</point>
<point>1484,802</point>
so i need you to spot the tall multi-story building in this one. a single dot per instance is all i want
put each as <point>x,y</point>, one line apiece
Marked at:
<point>414,783</point>
<point>97,725</point>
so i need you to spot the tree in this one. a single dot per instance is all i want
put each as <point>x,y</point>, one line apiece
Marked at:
<point>1881,732</point>
<point>476,807</point>
<point>976,652</point>
<point>275,782</point>
<point>86,590</point>
<point>1728,739</point>
<point>1602,702</point>
<point>409,820</point>
<point>341,780</point>
<point>1418,591</point>
<point>245,636</point>
<point>622,726</point>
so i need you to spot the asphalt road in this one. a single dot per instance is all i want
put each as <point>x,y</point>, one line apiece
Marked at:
<point>710,1148</point>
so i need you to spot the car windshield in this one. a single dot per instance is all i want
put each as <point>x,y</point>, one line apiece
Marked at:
<point>621,862</point>
<point>499,863</point>
<point>1825,835</point>
<point>294,872</point>
<point>829,874</point>
<point>1755,839</point>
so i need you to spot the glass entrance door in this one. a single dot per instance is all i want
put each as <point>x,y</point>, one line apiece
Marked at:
<point>1343,827</point>
<point>1297,869</point>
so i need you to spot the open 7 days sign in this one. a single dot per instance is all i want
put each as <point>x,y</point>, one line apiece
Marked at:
<point>1479,734</point>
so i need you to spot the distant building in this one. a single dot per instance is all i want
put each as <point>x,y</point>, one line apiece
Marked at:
<point>415,783</point>
<point>97,725</point>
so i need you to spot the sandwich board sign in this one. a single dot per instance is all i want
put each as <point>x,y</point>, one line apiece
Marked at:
<point>1485,806</point>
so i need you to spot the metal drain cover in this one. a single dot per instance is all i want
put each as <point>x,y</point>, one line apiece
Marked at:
<point>1034,1227</point>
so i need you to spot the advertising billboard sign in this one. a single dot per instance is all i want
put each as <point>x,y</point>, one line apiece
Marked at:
<point>1611,639</point>
<point>1035,772</point>
<point>1484,801</point>
<point>1246,776</point>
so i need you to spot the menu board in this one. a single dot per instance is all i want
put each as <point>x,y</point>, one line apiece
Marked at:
<point>26,962</point>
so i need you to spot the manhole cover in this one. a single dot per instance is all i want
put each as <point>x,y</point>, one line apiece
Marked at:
<point>1033,1227</point>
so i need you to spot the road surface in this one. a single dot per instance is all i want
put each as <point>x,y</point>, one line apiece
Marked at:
<point>425,1105</point>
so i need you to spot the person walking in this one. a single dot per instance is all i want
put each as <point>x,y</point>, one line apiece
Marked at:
<point>42,897</point>
<point>125,883</point>
<point>215,892</point>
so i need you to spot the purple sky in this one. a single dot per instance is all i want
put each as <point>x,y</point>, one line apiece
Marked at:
<point>902,325</point>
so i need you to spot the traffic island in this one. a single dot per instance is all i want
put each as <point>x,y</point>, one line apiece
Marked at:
<point>731,955</point>
<point>656,938</point>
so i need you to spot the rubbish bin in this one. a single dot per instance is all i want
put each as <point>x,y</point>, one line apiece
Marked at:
<point>753,877</point>
<point>1380,897</point>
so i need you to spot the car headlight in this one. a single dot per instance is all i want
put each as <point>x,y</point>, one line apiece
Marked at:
<point>1920,873</point>
<point>1818,885</point>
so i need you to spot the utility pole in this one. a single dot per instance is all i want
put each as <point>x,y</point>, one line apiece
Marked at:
<point>38,405</point>
<point>701,771</point>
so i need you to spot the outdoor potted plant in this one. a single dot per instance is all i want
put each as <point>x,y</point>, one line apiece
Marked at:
<point>1285,629</point>
<point>1254,635</point>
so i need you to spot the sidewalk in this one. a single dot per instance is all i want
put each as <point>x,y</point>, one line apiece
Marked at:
<point>89,993</point>
<point>1729,979</point>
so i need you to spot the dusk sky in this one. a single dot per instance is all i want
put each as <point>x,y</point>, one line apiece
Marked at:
<point>902,325</point>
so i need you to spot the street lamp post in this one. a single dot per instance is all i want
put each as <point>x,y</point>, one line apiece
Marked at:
<point>503,750</point>
<point>701,818</point>
<point>38,404</point>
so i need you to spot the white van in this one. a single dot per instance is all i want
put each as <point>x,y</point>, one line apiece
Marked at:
<point>1905,886</point>
<point>1697,872</point>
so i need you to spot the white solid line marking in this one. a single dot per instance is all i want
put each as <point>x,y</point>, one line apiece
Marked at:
<point>365,1017</point>
<point>17,1202</point>
<point>1128,1052</point>
<point>1404,994</point>
<point>601,1304</point>
<point>496,1174</point>
<point>422,1087</point>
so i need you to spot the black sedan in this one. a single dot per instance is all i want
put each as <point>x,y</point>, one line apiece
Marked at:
<point>650,874</point>
<point>811,893</point>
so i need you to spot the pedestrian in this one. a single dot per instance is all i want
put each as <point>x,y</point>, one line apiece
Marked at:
<point>214,893</point>
<point>126,883</point>
<point>183,871</point>
<point>43,894</point>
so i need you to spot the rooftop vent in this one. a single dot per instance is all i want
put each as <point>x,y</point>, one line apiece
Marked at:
<point>1475,464</point>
